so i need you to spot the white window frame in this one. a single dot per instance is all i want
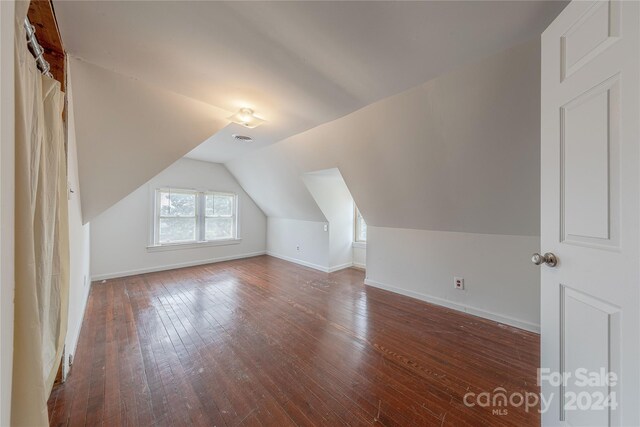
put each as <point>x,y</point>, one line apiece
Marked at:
<point>158,217</point>
<point>234,215</point>
<point>356,227</point>
<point>200,218</point>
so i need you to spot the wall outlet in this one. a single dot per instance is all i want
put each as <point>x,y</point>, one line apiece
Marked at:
<point>326,227</point>
<point>458,283</point>
<point>298,248</point>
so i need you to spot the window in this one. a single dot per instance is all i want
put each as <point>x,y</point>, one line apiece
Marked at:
<point>360,227</point>
<point>220,218</point>
<point>177,218</point>
<point>189,216</point>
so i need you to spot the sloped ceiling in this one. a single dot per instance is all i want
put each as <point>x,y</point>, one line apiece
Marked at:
<point>273,180</point>
<point>332,196</point>
<point>458,153</point>
<point>128,131</point>
<point>298,64</point>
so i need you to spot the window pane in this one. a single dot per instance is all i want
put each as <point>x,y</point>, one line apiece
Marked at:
<point>177,230</point>
<point>223,205</point>
<point>218,228</point>
<point>208,205</point>
<point>362,235</point>
<point>361,228</point>
<point>219,205</point>
<point>165,204</point>
<point>177,204</point>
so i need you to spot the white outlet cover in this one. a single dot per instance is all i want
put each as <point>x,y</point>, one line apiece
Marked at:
<point>458,283</point>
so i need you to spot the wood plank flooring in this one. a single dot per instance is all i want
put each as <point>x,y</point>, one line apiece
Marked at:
<point>261,341</point>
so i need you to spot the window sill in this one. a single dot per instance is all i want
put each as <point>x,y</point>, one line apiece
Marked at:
<point>192,245</point>
<point>361,245</point>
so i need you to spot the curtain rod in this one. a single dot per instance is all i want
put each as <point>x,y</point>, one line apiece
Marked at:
<point>36,49</point>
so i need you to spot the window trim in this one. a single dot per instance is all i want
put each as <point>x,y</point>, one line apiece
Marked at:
<point>200,218</point>
<point>234,215</point>
<point>157,217</point>
<point>192,245</point>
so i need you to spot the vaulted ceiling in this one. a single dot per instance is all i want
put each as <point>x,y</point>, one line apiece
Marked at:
<point>297,64</point>
<point>458,153</point>
<point>128,131</point>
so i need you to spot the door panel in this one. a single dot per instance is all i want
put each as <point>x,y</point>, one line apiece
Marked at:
<point>589,165</point>
<point>589,328</point>
<point>590,187</point>
<point>593,32</point>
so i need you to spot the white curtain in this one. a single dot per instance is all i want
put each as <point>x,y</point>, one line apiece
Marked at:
<point>42,245</point>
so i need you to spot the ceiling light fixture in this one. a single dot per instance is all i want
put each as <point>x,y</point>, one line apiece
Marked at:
<point>246,118</point>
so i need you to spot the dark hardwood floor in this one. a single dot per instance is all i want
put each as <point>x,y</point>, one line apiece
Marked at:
<point>262,341</point>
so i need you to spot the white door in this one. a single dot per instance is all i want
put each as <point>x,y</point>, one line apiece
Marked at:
<point>590,217</point>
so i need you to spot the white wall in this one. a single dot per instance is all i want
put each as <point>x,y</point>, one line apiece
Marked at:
<point>332,196</point>
<point>303,242</point>
<point>323,245</point>
<point>79,239</point>
<point>360,256</point>
<point>121,234</point>
<point>7,164</point>
<point>458,154</point>
<point>501,283</point>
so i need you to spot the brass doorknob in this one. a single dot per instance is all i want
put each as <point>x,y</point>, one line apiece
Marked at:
<point>550,259</point>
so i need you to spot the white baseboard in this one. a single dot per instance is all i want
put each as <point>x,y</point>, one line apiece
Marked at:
<point>310,264</point>
<point>74,344</point>
<point>360,266</point>
<point>172,266</point>
<point>299,261</point>
<point>507,320</point>
<point>340,267</point>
